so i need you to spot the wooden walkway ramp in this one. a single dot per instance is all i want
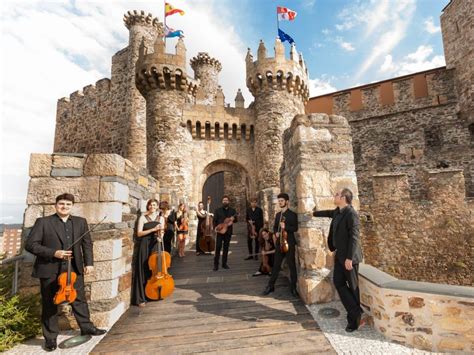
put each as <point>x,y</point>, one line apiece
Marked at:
<point>218,312</point>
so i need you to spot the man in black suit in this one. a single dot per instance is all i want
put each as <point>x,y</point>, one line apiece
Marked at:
<point>290,224</point>
<point>255,216</point>
<point>51,241</point>
<point>219,216</point>
<point>343,238</point>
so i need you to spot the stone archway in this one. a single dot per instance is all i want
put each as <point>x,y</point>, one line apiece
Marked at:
<point>227,177</point>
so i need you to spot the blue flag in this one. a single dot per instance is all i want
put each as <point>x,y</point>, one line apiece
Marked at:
<point>285,37</point>
<point>169,32</point>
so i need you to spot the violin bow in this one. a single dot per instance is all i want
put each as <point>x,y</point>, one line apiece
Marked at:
<point>88,231</point>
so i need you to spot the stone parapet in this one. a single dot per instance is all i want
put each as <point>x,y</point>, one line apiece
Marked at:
<point>318,162</point>
<point>103,185</point>
<point>424,315</point>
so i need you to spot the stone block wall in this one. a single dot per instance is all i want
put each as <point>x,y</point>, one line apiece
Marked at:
<point>103,185</point>
<point>318,162</point>
<point>426,316</point>
<point>424,240</point>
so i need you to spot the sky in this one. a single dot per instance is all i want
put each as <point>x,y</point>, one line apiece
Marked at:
<point>49,49</point>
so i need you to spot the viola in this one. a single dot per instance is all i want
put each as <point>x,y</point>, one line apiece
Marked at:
<point>160,284</point>
<point>207,242</point>
<point>266,268</point>
<point>66,293</point>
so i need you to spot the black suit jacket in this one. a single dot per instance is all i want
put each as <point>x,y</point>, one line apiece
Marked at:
<point>47,236</point>
<point>256,216</point>
<point>291,225</point>
<point>221,214</point>
<point>347,241</point>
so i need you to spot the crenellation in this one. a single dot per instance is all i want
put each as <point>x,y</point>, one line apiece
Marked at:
<point>132,18</point>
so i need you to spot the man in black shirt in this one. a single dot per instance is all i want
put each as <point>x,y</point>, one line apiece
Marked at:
<point>223,238</point>
<point>343,238</point>
<point>255,217</point>
<point>284,220</point>
<point>50,241</point>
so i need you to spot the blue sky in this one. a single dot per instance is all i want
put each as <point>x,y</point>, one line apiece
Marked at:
<point>50,49</point>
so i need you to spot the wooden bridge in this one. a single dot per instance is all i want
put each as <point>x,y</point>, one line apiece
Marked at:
<point>218,312</point>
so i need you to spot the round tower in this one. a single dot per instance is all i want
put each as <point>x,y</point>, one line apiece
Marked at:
<point>142,27</point>
<point>161,79</point>
<point>279,86</point>
<point>206,70</point>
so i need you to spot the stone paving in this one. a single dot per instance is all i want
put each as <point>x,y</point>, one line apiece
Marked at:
<point>35,346</point>
<point>364,341</point>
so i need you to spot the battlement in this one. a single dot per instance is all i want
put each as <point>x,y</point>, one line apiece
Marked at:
<point>162,70</point>
<point>203,58</point>
<point>278,72</point>
<point>132,18</point>
<point>424,89</point>
<point>442,185</point>
<point>88,95</point>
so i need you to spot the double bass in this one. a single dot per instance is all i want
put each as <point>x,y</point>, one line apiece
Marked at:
<point>161,284</point>
<point>207,242</point>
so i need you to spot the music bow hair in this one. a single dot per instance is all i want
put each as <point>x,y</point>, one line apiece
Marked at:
<point>88,231</point>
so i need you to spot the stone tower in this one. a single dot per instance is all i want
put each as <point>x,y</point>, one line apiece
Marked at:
<point>161,79</point>
<point>206,70</point>
<point>279,86</point>
<point>146,28</point>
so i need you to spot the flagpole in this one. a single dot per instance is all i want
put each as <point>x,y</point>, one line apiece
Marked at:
<point>164,20</point>
<point>278,24</point>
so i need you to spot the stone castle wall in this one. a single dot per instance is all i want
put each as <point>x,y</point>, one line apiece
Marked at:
<point>318,162</point>
<point>422,240</point>
<point>103,185</point>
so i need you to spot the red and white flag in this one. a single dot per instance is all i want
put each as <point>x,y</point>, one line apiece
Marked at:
<point>285,13</point>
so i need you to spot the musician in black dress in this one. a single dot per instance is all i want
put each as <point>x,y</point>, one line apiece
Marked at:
<point>170,219</point>
<point>181,226</point>
<point>223,239</point>
<point>255,217</point>
<point>53,240</point>
<point>267,250</point>
<point>150,224</point>
<point>290,224</point>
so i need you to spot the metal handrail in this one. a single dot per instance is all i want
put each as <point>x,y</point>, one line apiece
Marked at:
<point>16,259</point>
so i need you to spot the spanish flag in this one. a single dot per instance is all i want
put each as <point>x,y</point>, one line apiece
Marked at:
<point>170,10</point>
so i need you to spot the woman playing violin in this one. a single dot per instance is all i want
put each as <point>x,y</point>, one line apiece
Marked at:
<point>267,248</point>
<point>181,228</point>
<point>150,226</point>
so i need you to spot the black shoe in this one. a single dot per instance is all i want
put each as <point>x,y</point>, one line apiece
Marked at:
<point>250,257</point>
<point>93,331</point>
<point>268,290</point>
<point>350,329</point>
<point>225,266</point>
<point>215,268</point>
<point>294,292</point>
<point>50,344</point>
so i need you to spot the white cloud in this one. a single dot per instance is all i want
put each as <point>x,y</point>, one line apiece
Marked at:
<point>414,62</point>
<point>50,49</point>
<point>347,46</point>
<point>320,87</point>
<point>308,4</point>
<point>395,23</point>
<point>430,27</point>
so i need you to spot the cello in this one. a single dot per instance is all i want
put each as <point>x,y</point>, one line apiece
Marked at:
<point>161,284</point>
<point>207,242</point>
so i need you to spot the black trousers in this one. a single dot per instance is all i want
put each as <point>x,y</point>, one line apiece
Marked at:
<point>49,311</point>
<point>290,260</point>
<point>250,241</point>
<point>222,239</point>
<point>347,286</point>
<point>167,240</point>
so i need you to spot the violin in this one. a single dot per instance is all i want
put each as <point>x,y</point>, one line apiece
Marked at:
<point>207,242</point>
<point>251,229</point>
<point>283,234</point>
<point>160,284</point>
<point>66,293</point>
